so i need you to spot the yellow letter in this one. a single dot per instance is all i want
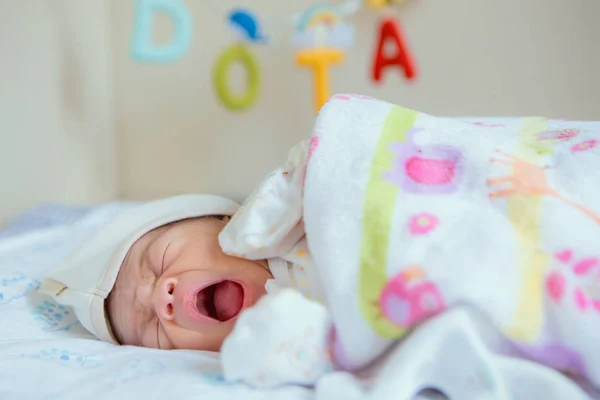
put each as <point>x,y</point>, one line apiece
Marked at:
<point>243,55</point>
<point>319,60</point>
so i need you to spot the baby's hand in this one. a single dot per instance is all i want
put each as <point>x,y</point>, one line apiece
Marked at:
<point>268,224</point>
<point>282,340</point>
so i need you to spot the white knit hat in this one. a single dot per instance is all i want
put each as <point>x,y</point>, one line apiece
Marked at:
<point>84,280</point>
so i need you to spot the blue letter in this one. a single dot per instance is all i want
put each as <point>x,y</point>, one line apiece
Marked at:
<point>142,48</point>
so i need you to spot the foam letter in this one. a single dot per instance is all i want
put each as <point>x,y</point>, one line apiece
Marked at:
<point>390,30</point>
<point>319,60</point>
<point>243,55</point>
<point>142,47</point>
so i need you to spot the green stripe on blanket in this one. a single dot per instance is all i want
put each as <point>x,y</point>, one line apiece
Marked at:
<point>379,205</point>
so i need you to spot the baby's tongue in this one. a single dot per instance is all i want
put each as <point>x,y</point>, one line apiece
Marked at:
<point>227,298</point>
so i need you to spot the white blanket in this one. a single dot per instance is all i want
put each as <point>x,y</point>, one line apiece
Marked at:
<point>407,217</point>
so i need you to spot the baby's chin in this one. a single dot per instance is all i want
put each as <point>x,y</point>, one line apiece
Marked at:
<point>202,341</point>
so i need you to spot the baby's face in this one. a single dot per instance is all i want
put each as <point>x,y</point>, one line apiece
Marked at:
<point>178,290</point>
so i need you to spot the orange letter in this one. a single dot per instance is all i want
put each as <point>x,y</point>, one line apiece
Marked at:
<point>319,60</point>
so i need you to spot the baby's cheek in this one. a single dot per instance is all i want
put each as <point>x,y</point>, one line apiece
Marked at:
<point>115,307</point>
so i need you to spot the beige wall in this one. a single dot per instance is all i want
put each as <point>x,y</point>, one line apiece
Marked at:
<point>484,57</point>
<point>57,141</point>
<point>65,136</point>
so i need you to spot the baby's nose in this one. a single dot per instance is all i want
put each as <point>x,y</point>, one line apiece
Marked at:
<point>163,298</point>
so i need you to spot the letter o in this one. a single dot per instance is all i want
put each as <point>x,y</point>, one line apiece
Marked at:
<point>243,55</point>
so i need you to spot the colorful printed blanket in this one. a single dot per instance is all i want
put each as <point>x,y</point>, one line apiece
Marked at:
<point>407,216</point>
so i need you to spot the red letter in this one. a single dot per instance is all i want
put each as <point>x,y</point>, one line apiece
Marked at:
<point>391,31</point>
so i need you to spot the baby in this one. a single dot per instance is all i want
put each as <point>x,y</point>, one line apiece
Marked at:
<point>409,218</point>
<point>155,276</point>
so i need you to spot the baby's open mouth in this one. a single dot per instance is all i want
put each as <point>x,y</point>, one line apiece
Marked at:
<point>221,301</point>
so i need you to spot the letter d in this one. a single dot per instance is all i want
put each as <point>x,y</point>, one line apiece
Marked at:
<point>142,47</point>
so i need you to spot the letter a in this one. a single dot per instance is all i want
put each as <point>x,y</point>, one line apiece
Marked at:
<point>390,30</point>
